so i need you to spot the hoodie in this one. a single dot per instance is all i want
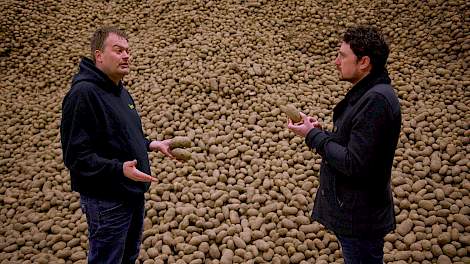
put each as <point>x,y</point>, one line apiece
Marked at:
<point>100,130</point>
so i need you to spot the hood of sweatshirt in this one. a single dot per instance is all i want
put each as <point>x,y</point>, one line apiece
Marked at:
<point>88,72</point>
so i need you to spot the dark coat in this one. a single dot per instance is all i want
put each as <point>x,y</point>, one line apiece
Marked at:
<point>354,197</point>
<point>100,129</point>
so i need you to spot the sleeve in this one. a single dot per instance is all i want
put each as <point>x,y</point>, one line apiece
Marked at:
<point>147,143</point>
<point>79,154</point>
<point>146,140</point>
<point>363,148</point>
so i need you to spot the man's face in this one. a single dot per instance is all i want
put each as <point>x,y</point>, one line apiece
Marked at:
<point>348,64</point>
<point>114,59</point>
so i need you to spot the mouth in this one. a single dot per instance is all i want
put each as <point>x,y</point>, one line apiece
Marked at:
<point>124,65</point>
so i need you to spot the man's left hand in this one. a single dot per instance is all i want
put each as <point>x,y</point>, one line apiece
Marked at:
<point>162,146</point>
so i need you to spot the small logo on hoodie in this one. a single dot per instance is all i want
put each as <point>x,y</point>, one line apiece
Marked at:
<point>131,106</point>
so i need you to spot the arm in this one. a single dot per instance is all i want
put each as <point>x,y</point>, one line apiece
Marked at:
<point>363,148</point>
<point>79,155</point>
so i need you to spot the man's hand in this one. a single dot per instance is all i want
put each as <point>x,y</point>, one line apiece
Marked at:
<point>162,146</point>
<point>131,172</point>
<point>303,128</point>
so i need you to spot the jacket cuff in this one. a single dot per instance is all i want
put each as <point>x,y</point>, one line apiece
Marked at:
<point>147,143</point>
<point>315,139</point>
<point>119,170</point>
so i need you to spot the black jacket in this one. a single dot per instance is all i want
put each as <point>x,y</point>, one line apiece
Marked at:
<point>100,129</point>
<point>354,197</point>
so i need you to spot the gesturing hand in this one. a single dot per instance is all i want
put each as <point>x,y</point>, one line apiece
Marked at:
<point>131,172</point>
<point>163,146</point>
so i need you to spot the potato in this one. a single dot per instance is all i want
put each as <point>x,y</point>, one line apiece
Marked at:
<point>180,142</point>
<point>181,154</point>
<point>291,112</point>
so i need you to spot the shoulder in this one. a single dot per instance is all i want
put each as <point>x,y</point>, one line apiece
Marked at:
<point>81,93</point>
<point>385,94</point>
<point>385,90</point>
<point>82,90</point>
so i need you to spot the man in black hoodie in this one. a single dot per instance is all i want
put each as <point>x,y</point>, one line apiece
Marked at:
<point>105,149</point>
<point>354,198</point>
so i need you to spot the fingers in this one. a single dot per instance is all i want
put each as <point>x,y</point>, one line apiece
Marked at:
<point>170,155</point>
<point>294,126</point>
<point>166,142</point>
<point>167,152</point>
<point>137,175</point>
<point>131,163</point>
<point>290,125</point>
<point>132,173</point>
<point>164,147</point>
<point>306,117</point>
<point>127,165</point>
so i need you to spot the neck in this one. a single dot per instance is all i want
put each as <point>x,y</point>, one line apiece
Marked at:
<point>115,79</point>
<point>354,82</point>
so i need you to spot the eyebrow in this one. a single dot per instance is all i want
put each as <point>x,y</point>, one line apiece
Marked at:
<point>119,46</point>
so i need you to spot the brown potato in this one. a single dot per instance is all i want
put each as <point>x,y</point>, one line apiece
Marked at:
<point>292,112</point>
<point>181,154</point>
<point>180,142</point>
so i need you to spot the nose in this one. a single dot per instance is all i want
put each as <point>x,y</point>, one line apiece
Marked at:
<point>337,62</point>
<point>125,55</point>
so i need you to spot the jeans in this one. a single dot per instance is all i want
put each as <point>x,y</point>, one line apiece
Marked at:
<point>114,229</point>
<point>362,251</point>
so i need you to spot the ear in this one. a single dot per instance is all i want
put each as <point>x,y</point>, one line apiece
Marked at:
<point>98,56</point>
<point>364,63</point>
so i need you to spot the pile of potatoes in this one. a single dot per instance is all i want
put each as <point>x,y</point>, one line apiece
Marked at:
<point>216,72</point>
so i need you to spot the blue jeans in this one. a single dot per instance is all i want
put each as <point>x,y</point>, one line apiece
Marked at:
<point>362,251</point>
<point>114,229</point>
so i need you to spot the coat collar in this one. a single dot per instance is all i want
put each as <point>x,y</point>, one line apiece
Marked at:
<point>360,88</point>
<point>365,84</point>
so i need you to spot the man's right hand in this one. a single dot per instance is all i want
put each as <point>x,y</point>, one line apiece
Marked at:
<point>303,128</point>
<point>131,172</point>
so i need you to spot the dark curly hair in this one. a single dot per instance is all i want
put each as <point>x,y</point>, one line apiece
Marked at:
<point>368,41</point>
<point>100,35</point>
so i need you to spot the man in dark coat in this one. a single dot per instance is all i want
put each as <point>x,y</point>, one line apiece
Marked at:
<point>354,199</point>
<point>105,150</point>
